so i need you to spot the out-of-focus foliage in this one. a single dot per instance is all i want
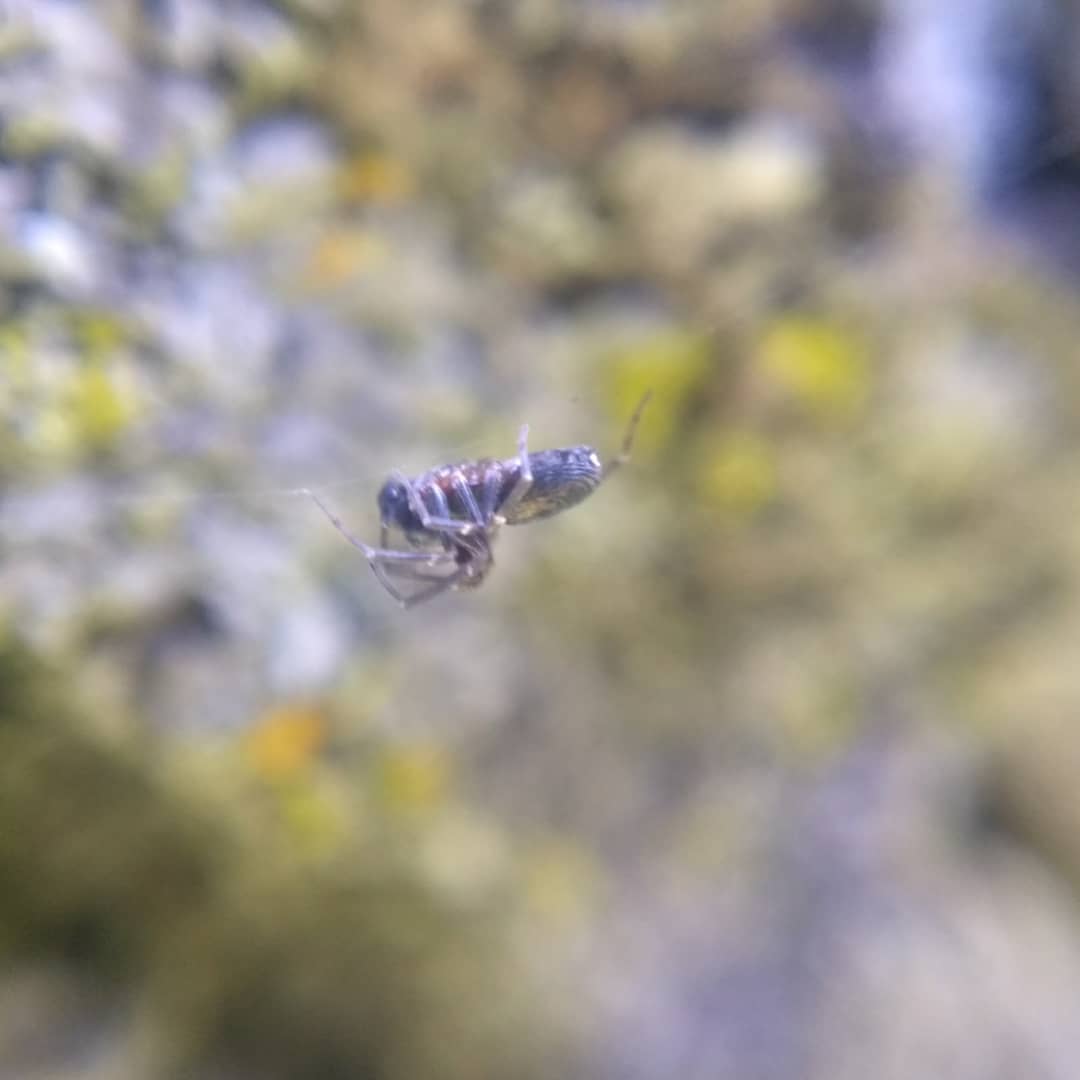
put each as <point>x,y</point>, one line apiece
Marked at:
<point>233,948</point>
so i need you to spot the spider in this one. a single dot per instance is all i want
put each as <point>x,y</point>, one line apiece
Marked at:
<point>451,514</point>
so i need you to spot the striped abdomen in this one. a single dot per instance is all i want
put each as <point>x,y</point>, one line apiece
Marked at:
<point>561,479</point>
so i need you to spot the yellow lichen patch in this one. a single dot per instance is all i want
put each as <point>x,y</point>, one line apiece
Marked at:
<point>462,854</point>
<point>340,255</point>
<point>99,333</point>
<point>15,358</point>
<point>737,472</point>
<point>673,364</point>
<point>51,435</point>
<point>101,406</point>
<point>313,818</point>
<point>285,741</point>
<point>15,366</point>
<point>413,779</point>
<point>816,720</point>
<point>374,178</point>
<point>818,363</point>
<point>561,882</point>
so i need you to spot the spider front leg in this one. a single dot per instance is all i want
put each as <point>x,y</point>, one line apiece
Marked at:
<point>474,561</point>
<point>434,584</point>
<point>434,589</point>
<point>471,572</point>
<point>383,554</point>
<point>525,478</point>
<point>381,557</point>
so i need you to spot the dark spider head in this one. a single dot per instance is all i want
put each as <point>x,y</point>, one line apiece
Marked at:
<point>394,509</point>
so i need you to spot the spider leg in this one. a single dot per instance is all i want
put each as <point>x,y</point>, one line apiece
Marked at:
<point>388,584</point>
<point>525,478</point>
<point>623,455</point>
<point>407,571</point>
<point>410,573</point>
<point>471,553</point>
<point>492,486</point>
<point>432,522</point>
<point>381,559</point>
<point>436,586</point>
<point>464,492</point>
<point>473,570</point>
<point>382,554</point>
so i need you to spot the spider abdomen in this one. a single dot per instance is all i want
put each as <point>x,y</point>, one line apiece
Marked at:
<point>560,479</point>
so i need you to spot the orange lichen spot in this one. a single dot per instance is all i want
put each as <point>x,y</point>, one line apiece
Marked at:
<point>286,740</point>
<point>374,178</point>
<point>340,255</point>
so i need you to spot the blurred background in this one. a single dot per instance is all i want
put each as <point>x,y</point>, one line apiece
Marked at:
<point>763,763</point>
